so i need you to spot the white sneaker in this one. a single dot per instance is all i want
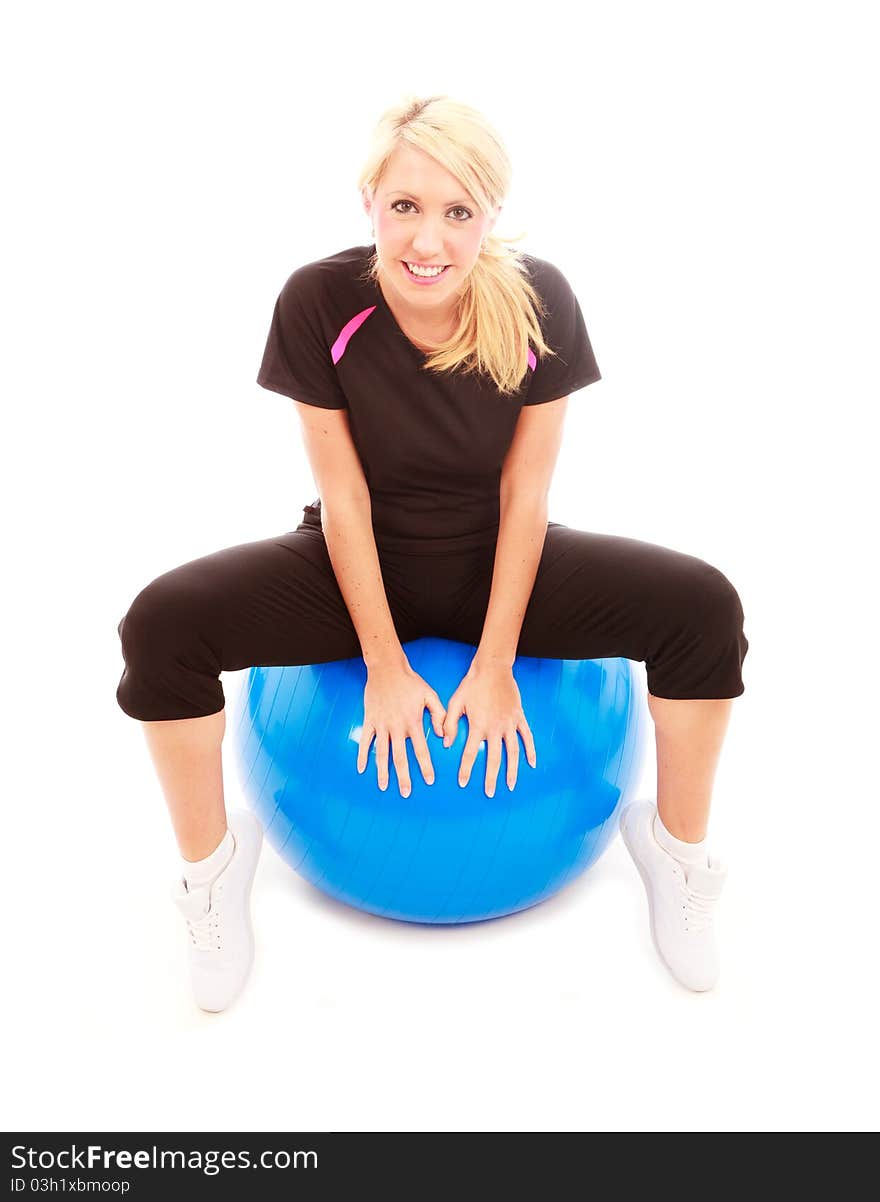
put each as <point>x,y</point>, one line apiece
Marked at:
<point>221,938</point>
<point>681,900</point>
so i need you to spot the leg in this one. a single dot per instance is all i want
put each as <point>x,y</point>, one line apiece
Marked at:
<point>689,735</point>
<point>188,761</point>
<point>598,596</point>
<point>275,601</point>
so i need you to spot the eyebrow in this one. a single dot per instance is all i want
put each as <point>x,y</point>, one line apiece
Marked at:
<point>412,196</point>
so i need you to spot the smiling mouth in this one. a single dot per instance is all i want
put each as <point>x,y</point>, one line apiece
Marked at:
<point>433,275</point>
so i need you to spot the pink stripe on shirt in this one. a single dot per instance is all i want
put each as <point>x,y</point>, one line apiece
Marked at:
<point>338,348</point>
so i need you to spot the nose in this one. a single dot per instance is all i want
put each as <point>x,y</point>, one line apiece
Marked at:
<point>428,241</point>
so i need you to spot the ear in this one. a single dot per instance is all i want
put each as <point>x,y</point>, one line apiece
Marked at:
<point>366,199</point>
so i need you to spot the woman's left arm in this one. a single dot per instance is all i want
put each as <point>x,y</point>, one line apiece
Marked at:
<point>489,694</point>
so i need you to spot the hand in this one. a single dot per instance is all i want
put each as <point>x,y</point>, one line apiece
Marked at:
<point>489,695</point>
<point>394,702</point>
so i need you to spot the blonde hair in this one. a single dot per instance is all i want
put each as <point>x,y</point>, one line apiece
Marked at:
<point>498,311</point>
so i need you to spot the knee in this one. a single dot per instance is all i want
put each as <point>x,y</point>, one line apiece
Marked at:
<point>157,624</point>
<point>145,624</point>
<point>172,643</point>
<point>718,602</point>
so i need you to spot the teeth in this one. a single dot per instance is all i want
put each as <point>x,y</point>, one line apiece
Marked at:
<point>425,270</point>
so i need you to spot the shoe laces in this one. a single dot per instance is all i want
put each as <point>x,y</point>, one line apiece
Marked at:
<point>697,908</point>
<point>204,932</point>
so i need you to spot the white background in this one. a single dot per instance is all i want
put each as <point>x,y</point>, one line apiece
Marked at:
<point>703,175</point>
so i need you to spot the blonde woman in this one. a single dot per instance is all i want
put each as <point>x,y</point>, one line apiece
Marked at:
<point>431,370</point>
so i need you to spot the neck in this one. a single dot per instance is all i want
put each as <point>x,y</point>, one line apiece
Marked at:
<point>428,327</point>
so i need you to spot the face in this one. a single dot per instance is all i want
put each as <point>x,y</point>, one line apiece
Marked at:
<point>414,222</point>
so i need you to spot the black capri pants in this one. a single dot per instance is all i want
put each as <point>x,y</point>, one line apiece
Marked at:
<point>276,601</point>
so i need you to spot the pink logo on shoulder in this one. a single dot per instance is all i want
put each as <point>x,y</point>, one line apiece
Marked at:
<point>337,350</point>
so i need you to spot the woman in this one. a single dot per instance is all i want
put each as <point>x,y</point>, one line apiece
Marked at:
<point>431,372</point>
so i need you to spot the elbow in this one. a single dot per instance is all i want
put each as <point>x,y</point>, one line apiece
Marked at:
<point>528,495</point>
<point>340,501</point>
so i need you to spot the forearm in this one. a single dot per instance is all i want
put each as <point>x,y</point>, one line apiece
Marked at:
<point>522,530</point>
<point>351,544</point>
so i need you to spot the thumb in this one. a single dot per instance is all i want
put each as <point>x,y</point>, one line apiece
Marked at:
<point>450,726</point>
<point>438,713</point>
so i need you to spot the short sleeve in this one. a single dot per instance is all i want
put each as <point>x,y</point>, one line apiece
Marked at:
<point>565,331</point>
<point>297,361</point>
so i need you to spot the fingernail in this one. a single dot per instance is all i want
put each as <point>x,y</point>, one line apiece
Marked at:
<point>430,780</point>
<point>461,782</point>
<point>492,794</point>
<point>405,792</point>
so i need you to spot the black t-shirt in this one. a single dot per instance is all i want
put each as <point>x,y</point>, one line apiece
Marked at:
<point>431,445</point>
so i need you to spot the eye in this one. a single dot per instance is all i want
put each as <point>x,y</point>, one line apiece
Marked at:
<point>456,209</point>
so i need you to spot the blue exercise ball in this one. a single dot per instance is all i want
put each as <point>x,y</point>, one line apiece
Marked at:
<point>445,854</point>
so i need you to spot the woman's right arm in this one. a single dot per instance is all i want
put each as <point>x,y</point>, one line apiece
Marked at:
<point>346,516</point>
<point>395,697</point>
<point>351,544</point>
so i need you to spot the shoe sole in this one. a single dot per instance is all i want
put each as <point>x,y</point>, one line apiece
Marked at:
<point>649,895</point>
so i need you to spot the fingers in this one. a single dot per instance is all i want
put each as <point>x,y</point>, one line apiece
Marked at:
<point>511,742</point>
<point>401,764</point>
<point>448,722</point>
<point>528,742</point>
<point>364,747</point>
<point>471,747</point>
<point>423,756</point>
<point>382,759</point>
<point>398,757</point>
<point>493,758</point>
<point>394,708</point>
<point>493,763</point>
